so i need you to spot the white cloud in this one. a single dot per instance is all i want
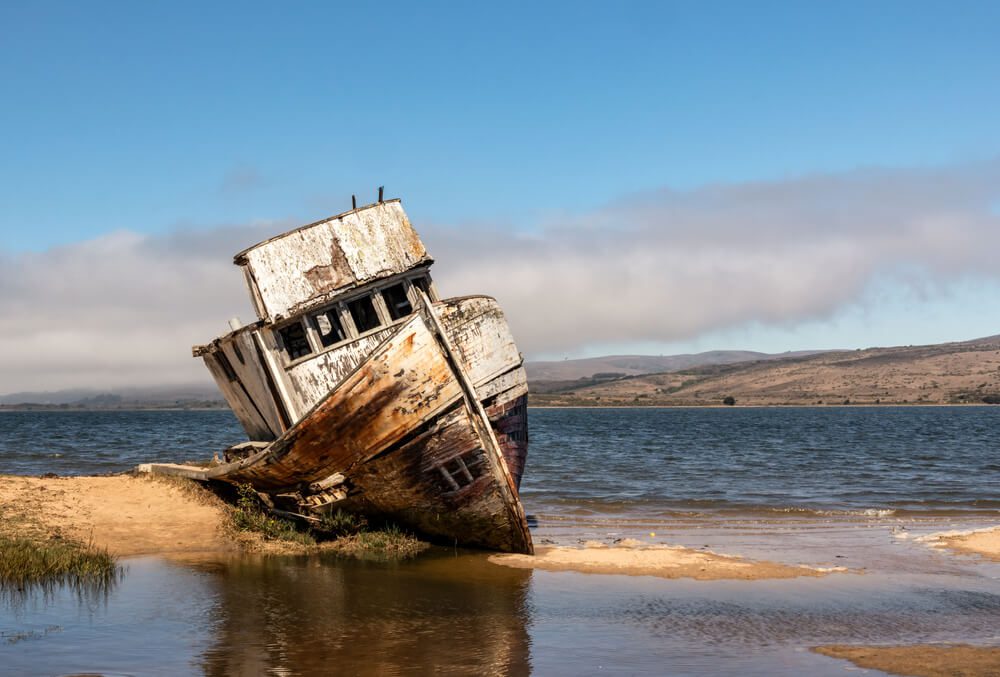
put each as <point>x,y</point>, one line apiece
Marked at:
<point>125,308</point>
<point>668,266</point>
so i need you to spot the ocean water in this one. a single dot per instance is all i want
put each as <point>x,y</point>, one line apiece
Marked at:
<point>644,462</point>
<point>826,487</point>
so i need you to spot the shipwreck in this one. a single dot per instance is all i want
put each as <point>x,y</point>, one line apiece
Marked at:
<point>361,390</point>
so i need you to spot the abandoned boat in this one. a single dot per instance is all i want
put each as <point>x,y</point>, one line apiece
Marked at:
<point>361,390</point>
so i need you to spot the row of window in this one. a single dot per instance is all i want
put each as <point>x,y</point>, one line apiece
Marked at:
<point>348,320</point>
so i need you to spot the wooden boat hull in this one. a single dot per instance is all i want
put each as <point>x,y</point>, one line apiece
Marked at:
<point>403,437</point>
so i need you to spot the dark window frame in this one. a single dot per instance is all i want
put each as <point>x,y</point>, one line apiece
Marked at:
<point>339,331</point>
<point>289,343</point>
<point>357,302</point>
<point>399,307</point>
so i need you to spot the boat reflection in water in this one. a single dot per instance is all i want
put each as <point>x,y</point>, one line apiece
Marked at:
<point>446,613</point>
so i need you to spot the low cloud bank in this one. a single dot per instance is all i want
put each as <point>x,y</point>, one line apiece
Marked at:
<point>668,266</point>
<point>124,309</point>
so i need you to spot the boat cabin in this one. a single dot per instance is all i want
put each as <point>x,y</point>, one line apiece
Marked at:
<point>326,295</point>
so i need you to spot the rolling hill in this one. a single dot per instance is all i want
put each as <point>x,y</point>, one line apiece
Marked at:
<point>948,373</point>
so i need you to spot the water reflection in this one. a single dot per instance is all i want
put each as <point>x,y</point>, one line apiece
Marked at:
<point>446,613</point>
<point>455,613</point>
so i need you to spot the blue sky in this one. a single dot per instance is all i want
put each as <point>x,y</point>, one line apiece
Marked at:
<point>154,117</point>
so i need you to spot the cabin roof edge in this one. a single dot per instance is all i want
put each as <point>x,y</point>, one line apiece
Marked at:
<point>240,257</point>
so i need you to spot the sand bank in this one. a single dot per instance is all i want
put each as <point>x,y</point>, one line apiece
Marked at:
<point>985,543</point>
<point>633,558</point>
<point>127,515</point>
<point>921,660</point>
<point>982,542</point>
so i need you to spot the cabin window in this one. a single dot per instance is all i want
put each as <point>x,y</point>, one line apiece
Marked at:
<point>295,341</point>
<point>328,327</point>
<point>363,313</point>
<point>396,301</point>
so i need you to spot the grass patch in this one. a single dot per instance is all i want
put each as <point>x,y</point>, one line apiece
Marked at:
<point>249,515</point>
<point>388,542</point>
<point>352,536</point>
<point>25,563</point>
<point>338,531</point>
<point>342,523</point>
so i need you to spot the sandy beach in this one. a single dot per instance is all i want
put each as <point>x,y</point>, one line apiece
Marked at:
<point>128,515</point>
<point>923,660</point>
<point>985,543</point>
<point>982,542</point>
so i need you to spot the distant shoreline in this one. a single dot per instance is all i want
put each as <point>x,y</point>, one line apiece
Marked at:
<point>762,406</point>
<point>60,409</point>
<point>55,408</point>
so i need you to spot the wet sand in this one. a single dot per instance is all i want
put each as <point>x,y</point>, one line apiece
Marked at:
<point>633,558</point>
<point>127,515</point>
<point>922,660</point>
<point>982,542</point>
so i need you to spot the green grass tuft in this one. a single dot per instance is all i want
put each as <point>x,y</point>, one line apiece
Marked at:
<point>25,563</point>
<point>340,531</point>
<point>249,515</point>
<point>342,523</point>
<point>388,542</point>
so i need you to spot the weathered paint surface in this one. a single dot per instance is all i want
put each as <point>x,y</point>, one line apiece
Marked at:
<point>248,395</point>
<point>510,424</point>
<point>478,330</point>
<point>495,370</point>
<point>308,266</point>
<point>310,381</point>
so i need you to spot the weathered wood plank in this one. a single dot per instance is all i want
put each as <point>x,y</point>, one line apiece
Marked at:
<point>478,331</point>
<point>311,380</point>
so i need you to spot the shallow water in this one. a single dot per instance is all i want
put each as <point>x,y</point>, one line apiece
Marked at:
<point>455,613</point>
<point>826,487</point>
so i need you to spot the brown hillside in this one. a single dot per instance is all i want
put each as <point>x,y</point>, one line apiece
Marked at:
<point>948,373</point>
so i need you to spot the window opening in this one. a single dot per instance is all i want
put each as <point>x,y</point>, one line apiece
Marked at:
<point>328,326</point>
<point>461,471</point>
<point>295,341</point>
<point>239,353</point>
<point>363,311</point>
<point>396,301</point>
